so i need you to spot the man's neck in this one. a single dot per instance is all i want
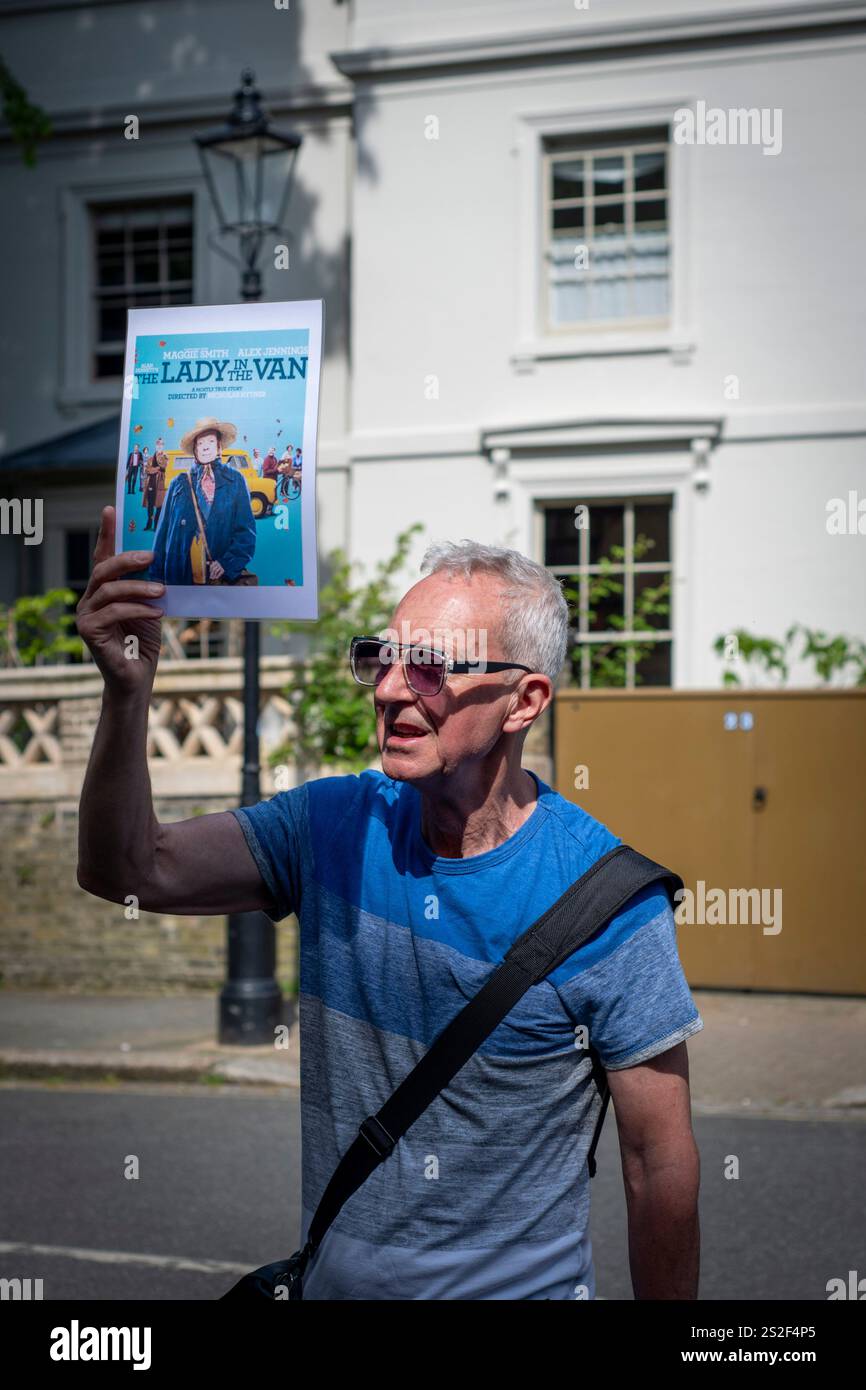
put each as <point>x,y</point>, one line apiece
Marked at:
<point>458,826</point>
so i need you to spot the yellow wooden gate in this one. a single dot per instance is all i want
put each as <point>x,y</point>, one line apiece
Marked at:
<point>758,790</point>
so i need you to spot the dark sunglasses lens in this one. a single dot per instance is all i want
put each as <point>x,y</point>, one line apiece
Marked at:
<point>425,671</point>
<point>372,660</point>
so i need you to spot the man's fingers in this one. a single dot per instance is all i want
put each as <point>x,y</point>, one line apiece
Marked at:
<point>105,539</point>
<point>120,590</point>
<point>119,612</point>
<point>115,566</point>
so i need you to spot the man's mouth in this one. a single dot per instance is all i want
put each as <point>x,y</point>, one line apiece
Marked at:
<point>402,732</point>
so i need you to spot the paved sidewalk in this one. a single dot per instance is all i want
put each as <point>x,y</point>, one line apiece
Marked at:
<point>777,1054</point>
<point>133,1038</point>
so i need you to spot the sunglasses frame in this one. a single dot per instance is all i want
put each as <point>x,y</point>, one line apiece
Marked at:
<point>449,665</point>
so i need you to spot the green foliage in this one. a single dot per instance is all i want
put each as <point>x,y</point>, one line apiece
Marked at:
<point>28,124</point>
<point>35,629</point>
<point>840,656</point>
<point>609,660</point>
<point>335,723</point>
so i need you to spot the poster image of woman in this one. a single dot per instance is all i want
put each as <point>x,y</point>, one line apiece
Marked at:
<point>207,532</point>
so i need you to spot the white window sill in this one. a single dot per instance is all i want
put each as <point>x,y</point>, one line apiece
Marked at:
<point>602,343</point>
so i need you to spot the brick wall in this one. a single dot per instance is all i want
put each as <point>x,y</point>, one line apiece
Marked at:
<point>53,934</point>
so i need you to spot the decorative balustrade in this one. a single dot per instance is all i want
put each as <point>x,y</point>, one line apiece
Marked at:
<point>48,717</point>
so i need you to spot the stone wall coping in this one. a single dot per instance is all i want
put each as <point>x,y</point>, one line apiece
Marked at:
<point>78,682</point>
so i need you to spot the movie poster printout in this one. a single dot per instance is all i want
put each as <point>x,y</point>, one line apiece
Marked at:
<point>217,459</point>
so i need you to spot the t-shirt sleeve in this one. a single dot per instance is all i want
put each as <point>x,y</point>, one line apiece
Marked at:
<point>633,996</point>
<point>274,832</point>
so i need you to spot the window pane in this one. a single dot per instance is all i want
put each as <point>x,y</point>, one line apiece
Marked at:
<point>649,171</point>
<point>109,238</point>
<point>561,537</point>
<point>609,217</point>
<point>649,264</point>
<point>146,269</point>
<point>609,299</point>
<point>653,521</point>
<point>111,271</point>
<point>647,597</point>
<point>567,178</point>
<point>655,668</point>
<point>569,303</point>
<point>112,321</point>
<point>611,605</point>
<point>605,531</point>
<point>650,210</point>
<point>568,219</point>
<point>607,667</point>
<point>180,265</point>
<point>608,174</point>
<point>144,238</point>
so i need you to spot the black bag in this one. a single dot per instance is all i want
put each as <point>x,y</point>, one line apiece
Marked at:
<point>585,907</point>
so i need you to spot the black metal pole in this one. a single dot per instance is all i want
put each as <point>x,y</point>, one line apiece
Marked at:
<point>250,1004</point>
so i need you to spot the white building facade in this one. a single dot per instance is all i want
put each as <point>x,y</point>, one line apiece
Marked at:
<point>592,274</point>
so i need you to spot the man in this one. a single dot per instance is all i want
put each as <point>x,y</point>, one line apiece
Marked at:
<point>133,463</point>
<point>410,885</point>
<point>154,489</point>
<point>270,466</point>
<point>223,504</point>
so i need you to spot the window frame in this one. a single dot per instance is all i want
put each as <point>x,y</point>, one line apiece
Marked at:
<point>77,249</point>
<point>533,344</point>
<point>628,569</point>
<point>592,149</point>
<point>129,288</point>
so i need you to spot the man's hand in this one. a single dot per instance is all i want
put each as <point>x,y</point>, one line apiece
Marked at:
<point>111,609</point>
<point>216,570</point>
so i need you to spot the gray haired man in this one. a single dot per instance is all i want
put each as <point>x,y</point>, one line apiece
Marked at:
<point>409,885</point>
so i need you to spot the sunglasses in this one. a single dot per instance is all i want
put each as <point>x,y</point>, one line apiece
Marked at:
<point>425,668</point>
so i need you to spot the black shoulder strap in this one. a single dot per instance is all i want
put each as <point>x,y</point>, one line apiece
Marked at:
<point>584,908</point>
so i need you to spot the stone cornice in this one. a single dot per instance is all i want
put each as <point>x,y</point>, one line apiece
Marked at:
<point>591,40</point>
<point>171,116</point>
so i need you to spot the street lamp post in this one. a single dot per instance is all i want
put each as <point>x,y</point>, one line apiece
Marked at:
<point>248,170</point>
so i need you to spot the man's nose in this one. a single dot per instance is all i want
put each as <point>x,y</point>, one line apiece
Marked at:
<point>394,686</point>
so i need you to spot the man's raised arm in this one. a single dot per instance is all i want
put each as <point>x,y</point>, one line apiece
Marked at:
<point>202,865</point>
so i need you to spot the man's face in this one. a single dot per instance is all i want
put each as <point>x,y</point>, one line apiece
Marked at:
<point>422,738</point>
<point>207,447</point>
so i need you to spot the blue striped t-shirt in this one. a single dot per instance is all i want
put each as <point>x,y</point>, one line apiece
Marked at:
<point>487,1196</point>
